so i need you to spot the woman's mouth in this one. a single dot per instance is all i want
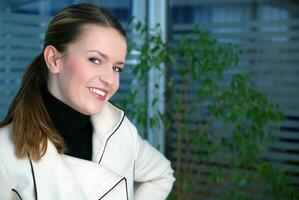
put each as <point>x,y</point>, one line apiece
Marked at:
<point>98,92</point>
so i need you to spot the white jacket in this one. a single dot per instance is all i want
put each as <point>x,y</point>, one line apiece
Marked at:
<point>120,158</point>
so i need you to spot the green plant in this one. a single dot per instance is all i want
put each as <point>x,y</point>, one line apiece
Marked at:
<point>234,120</point>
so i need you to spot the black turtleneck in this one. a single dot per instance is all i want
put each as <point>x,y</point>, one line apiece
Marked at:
<point>74,127</point>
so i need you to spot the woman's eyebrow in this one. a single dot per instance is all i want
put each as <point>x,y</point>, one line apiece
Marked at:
<point>106,57</point>
<point>101,54</point>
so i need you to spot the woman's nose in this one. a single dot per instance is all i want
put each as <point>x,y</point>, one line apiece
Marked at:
<point>107,76</point>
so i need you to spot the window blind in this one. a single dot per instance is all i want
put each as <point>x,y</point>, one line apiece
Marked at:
<point>268,36</point>
<point>21,39</point>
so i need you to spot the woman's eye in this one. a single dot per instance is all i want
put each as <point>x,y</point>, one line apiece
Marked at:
<point>117,69</point>
<point>95,61</point>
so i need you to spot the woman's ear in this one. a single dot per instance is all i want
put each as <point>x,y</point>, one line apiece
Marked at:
<point>51,56</point>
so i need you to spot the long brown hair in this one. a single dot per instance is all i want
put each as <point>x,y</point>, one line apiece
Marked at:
<point>31,124</point>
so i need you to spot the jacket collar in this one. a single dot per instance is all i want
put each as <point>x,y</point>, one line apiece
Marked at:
<point>107,120</point>
<point>105,124</point>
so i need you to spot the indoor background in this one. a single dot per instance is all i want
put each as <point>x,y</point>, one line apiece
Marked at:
<point>266,31</point>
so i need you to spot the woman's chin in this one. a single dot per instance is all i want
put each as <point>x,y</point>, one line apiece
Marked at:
<point>94,110</point>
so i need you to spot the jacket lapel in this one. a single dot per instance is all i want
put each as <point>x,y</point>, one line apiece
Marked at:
<point>65,177</point>
<point>95,181</point>
<point>52,177</point>
<point>104,125</point>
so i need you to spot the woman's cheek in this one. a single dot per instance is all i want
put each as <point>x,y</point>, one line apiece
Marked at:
<point>77,69</point>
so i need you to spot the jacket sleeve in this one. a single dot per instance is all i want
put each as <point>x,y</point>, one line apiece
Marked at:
<point>5,189</point>
<point>152,170</point>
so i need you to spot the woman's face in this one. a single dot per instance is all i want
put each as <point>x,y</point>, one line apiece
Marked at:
<point>89,70</point>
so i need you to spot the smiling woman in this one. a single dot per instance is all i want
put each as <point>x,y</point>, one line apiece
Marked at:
<point>86,76</point>
<point>62,138</point>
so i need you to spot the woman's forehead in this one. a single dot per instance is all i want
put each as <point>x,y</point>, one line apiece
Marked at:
<point>96,31</point>
<point>102,39</point>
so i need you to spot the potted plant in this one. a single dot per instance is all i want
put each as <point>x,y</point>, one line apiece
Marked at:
<point>218,126</point>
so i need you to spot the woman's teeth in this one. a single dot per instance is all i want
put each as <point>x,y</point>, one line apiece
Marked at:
<point>97,91</point>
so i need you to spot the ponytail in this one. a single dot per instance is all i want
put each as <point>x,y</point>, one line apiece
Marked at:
<point>31,124</point>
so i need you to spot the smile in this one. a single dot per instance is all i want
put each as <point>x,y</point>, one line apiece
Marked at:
<point>101,93</point>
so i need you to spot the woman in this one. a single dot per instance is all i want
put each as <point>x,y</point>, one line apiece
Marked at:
<point>61,138</point>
